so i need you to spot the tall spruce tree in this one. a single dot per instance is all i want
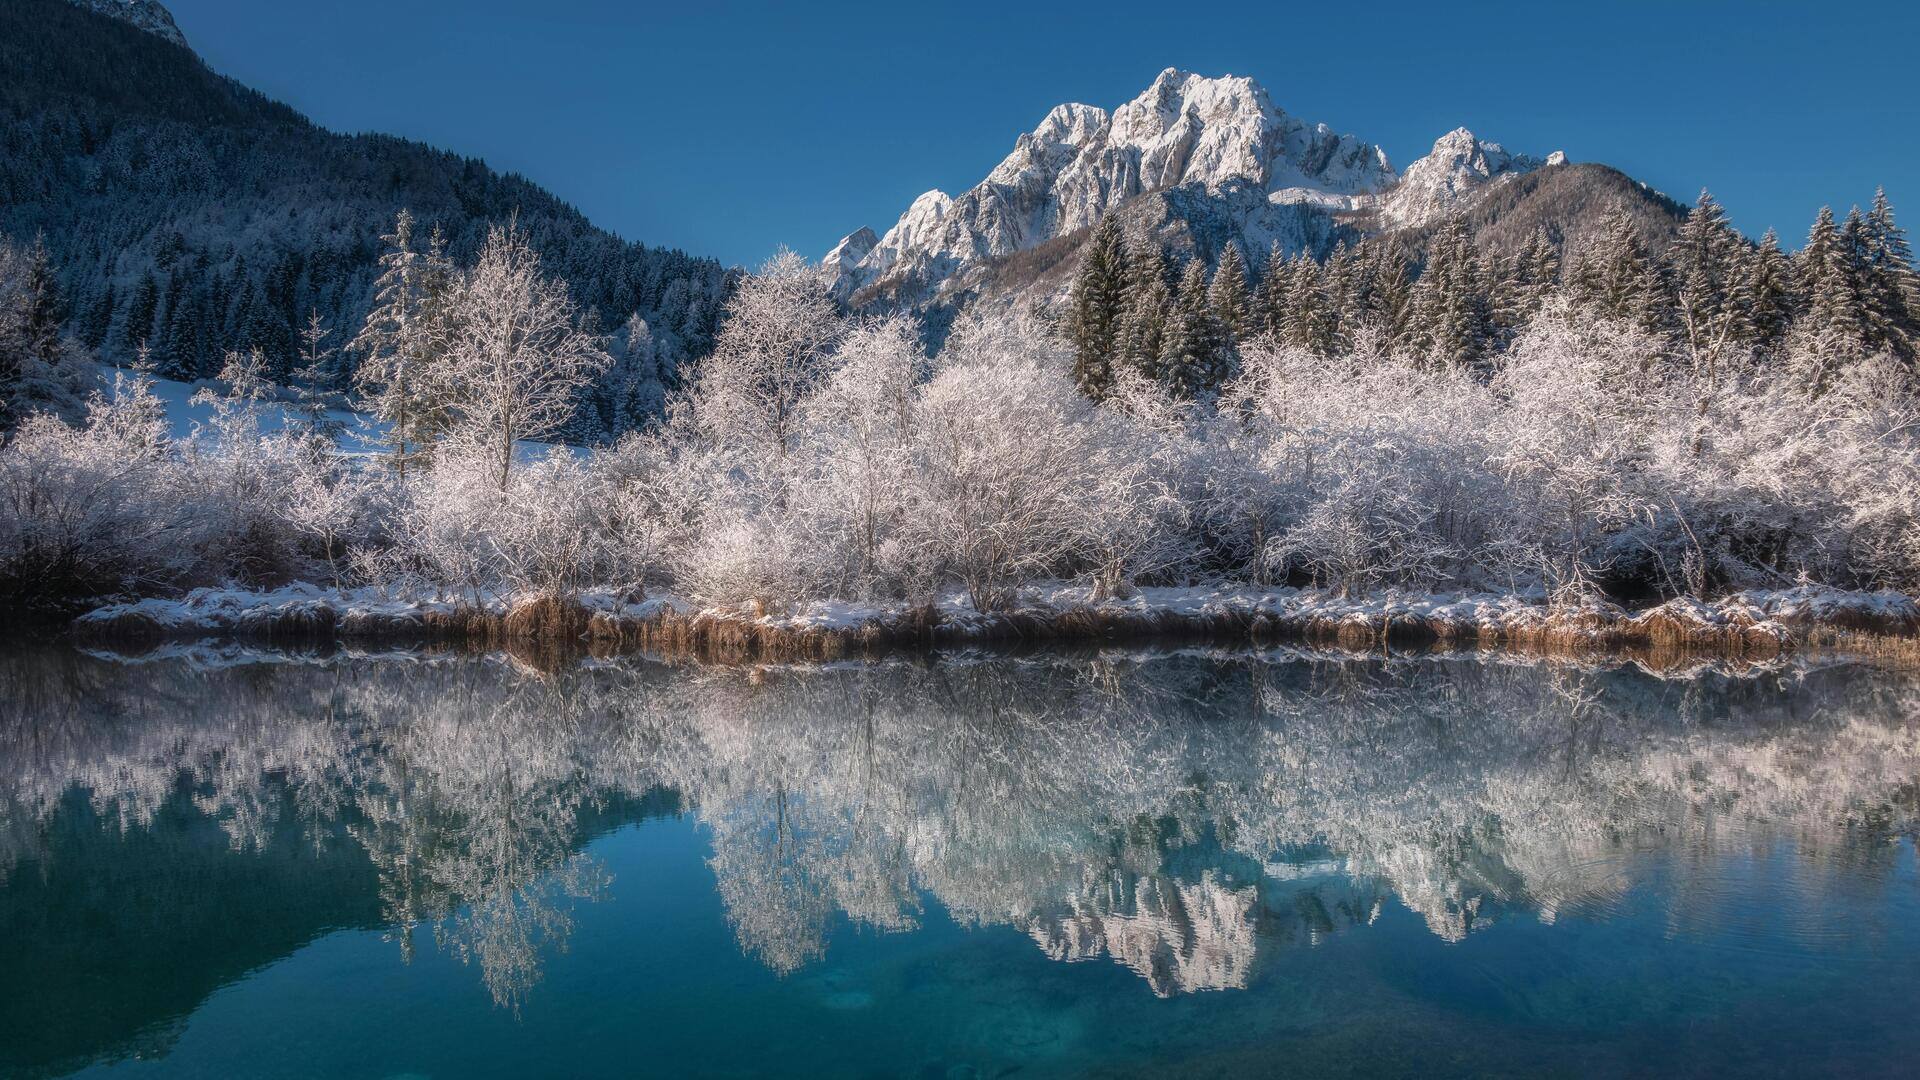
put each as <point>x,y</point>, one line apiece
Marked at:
<point>1709,271</point>
<point>1832,322</point>
<point>1271,298</point>
<point>1617,279</point>
<point>1147,308</point>
<point>1094,315</point>
<point>1391,291</point>
<point>395,345</point>
<point>1190,356</point>
<point>1768,294</point>
<point>1451,318</point>
<point>136,328</point>
<point>1308,320</point>
<point>1232,303</point>
<point>1890,289</point>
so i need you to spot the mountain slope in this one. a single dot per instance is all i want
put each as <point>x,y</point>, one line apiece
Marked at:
<point>188,211</point>
<point>1198,163</point>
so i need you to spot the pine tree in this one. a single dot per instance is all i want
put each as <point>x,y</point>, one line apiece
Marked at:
<point>137,328</point>
<point>1346,287</point>
<point>1391,291</point>
<point>1709,267</point>
<point>1232,306</point>
<point>1616,279</point>
<point>1308,321</point>
<point>1768,294</point>
<point>1093,320</point>
<point>1832,321</point>
<point>1148,304</point>
<point>1271,299</point>
<point>1537,274</point>
<point>99,321</point>
<point>1190,357</point>
<point>315,375</point>
<point>1890,289</point>
<point>394,345</point>
<point>1451,318</point>
<point>43,313</point>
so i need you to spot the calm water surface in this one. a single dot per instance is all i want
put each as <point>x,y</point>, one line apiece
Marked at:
<point>216,864</point>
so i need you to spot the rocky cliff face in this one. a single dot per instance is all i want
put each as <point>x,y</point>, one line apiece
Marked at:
<point>1202,160</point>
<point>148,15</point>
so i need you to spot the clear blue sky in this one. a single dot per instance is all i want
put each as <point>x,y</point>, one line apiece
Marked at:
<point>728,129</point>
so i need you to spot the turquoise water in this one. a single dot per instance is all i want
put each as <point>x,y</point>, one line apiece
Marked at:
<point>222,864</point>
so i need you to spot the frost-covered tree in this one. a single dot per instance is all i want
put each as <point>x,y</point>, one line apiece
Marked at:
<point>1615,277</point>
<point>401,342</point>
<point>1767,294</point>
<point>514,352</point>
<point>1147,310</point>
<point>1307,321</point>
<point>780,327</point>
<point>1007,448</point>
<point>1890,288</point>
<point>42,368</point>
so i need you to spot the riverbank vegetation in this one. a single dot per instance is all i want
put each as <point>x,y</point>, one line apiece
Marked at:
<point>1642,429</point>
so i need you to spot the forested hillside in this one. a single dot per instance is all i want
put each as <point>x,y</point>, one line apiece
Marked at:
<point>182,210</point>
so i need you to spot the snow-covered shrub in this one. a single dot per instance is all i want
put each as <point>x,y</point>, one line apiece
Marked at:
<point>244,478</point>
<point>1009,458</point>
<point>1585,407</point>
<point>95,510</point>
<point>1356,470</point>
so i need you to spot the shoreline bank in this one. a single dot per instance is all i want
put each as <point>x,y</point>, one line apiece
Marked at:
<point>1747,625</point>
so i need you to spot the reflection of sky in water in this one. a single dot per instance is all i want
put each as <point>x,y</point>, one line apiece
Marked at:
<point>460,866</point>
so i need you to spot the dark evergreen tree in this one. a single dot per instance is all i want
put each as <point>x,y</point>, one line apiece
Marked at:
<point>1768,294</point>
<point>98,324</point>
<point>1708,268</point>
<point>1230,298</point>
<point>1093,319</point>
<point>1191,360</point>
<point>1345,287</point>
<point>1617,279</point>
<point>1308,321</point>
<point>1390,292</point>
<point>1271,298</point>
<point>1831,322</point>
<point>43,312</point>
<point>136,328</point>
<point>1890,291</point>
<point>1450,321</point>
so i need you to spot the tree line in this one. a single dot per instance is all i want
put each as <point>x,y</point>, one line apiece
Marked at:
<point>1851,291</point>
<point>1649,427</point>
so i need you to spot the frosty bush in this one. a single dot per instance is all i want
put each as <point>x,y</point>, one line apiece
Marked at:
<point>817,455</point>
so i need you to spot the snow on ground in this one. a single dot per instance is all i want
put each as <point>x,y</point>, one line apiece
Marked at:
<point>361,436</point>
<point>218,610</point>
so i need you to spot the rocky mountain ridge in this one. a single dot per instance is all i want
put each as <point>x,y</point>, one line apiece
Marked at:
<point>1206,160</point>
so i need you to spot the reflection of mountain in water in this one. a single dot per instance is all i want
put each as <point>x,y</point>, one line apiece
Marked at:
<point>1189,817</point>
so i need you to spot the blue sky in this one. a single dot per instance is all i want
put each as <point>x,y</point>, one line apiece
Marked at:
<point>729,129</point>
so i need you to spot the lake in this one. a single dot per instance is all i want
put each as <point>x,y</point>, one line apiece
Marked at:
<point>218,863</point>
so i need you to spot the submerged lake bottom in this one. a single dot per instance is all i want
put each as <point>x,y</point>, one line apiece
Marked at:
<point>222,863</point>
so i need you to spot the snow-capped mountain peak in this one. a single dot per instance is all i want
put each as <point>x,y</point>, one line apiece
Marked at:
<point>148,15</point>
<point>1457,168</point>
<point>1216,151</point>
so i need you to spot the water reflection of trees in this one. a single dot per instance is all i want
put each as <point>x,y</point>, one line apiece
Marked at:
<point>1187,816</point>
